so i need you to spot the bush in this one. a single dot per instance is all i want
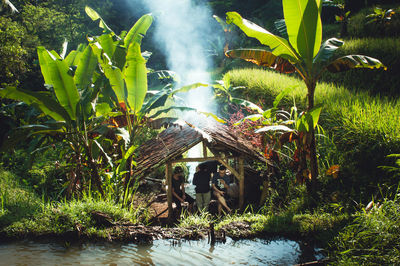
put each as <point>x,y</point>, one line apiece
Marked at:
<point>16,201</point>
<point>358,27</point>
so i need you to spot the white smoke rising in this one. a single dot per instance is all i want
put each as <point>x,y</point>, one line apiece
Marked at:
<point>182,30</point>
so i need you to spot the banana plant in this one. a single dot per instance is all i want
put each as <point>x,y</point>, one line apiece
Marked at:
<point>302,53</point>
<point>69,107</point>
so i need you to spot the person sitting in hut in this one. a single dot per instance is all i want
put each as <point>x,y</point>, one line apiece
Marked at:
<point>201,180</point>
<point>220,185</point>
<point>178,189</point>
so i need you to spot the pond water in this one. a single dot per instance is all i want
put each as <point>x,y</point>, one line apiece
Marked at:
<point>160,252</point>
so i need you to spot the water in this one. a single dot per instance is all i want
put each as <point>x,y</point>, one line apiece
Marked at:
<point>160,252</point>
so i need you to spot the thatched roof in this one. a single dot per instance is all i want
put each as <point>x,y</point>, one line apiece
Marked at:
<point>177,139</point>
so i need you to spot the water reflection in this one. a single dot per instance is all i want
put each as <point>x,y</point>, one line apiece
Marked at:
<point>160,252</point>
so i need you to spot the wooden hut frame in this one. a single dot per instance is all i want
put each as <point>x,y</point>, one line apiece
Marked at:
<point>223,144</point>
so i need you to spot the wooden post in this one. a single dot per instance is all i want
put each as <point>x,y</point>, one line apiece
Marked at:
<point>241,183</point>
<point>204,150</point>
<point>168,175</point>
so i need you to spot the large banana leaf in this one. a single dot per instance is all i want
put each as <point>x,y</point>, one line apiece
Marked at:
<point>86,66</point>
<point>262,58</point>
<point>278,45</point>
<point>56,73</point>
<point>112,73</point>
<point>107,43</point>
<point>327,50</point>
<point>135,75</point>
<point>138,30</point>
<point>95,16</point>
<point>158,99</point>
<point>354,61</point>
<point>189,87</point>
<point>41,100</point>
<point>304,26</point>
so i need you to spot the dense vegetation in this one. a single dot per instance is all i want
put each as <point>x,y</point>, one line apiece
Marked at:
<point>54,175</point>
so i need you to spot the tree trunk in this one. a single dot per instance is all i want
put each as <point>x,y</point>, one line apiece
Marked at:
<point>313,148</point>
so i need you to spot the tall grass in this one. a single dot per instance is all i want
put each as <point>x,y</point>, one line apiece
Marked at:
<point>16,201</point>
<point>371,239</point>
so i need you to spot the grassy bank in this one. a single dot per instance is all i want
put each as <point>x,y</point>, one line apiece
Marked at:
<point>364,128</point>
<point>23,213</point>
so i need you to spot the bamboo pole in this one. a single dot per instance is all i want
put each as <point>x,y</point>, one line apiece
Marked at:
<point>168,174</point>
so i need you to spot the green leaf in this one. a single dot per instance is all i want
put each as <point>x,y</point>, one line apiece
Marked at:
<point>157,100</point>
<point>274,128</point>
<point>112,73</point>
<point>309,119</point>
<point>278,45</point>
<point>41,100</point>
<point>168,112</point>
<point>138,30</point>
<point>70,59</point>
<point>315,113</point>
<point>109,160</point>
<point>121,167</point>
<point>262,58</point>
<point>135,75</point>
<point>107,44</point>
<point>304,26</point>
<point>280,26</point>
<point>269,113</point>
<point>189,87</point>
<point>56,73</point>
<point>254,117</point>
<point>354,61</point>
<point>95,16</point>
<point>102,109</point>
<point>327,50</point>
<point>86,66</point>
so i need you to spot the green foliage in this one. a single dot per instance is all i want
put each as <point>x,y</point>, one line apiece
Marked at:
<point>45,26</point>
<point>359,28</point>
<point>363,127</point>
<point>72,216</point>
<point>13,54</point>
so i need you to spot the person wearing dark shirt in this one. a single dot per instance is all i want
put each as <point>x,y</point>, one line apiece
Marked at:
<point>220,185</point>
<point>178,189</point>
<point>201,180</point>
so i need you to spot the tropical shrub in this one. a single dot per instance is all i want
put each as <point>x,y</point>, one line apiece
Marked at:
<point>362,128</point>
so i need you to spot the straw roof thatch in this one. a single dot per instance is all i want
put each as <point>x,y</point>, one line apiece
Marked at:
<point>171,143</point>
